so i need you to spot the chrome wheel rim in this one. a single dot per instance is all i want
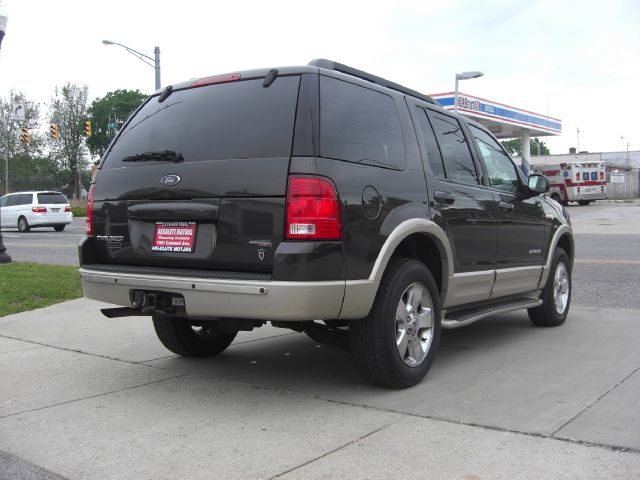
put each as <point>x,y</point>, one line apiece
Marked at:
<point>22,224</point>
<point>561,288</point>
<point>414,324</point>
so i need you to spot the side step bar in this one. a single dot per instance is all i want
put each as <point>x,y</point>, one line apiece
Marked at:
<point>466,317</point>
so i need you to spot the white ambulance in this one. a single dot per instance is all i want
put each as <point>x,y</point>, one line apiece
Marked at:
<point>582,182</point>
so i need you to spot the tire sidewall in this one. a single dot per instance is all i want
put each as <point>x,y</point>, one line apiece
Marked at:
<point>415,272</point>
<point>558,257</point>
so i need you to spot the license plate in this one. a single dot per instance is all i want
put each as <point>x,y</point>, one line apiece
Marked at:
<point>55,210</point>
<point>174,237</point>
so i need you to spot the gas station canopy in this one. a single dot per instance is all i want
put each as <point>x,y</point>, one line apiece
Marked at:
<point>502,120</point>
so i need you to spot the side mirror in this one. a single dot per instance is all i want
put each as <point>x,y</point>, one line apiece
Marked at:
<point>538,183</point>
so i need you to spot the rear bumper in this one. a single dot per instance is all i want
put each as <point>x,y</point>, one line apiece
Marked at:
<point>253,299</point>
<point>49,220</point>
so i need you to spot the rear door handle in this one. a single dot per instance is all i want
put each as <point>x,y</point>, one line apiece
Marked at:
<point>506,205</point>
<point>443,197</point>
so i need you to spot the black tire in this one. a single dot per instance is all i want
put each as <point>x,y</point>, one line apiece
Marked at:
<point>23,225</point>
<point>548,314</point>
<point>59,228</point>
<point>179,336</point>
<point>584,202</point>
<point>373,339</point>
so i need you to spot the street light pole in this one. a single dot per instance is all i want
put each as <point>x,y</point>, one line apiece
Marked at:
<point>463,76</point>
<point>145,58</point>
<point>4,256</point>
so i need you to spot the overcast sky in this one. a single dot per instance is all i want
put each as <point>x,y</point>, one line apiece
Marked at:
<point>574,60</point>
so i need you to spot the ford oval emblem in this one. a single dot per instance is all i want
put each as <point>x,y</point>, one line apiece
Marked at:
<point>170,180</point>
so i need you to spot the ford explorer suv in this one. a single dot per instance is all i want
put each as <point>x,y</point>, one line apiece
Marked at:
<point>326,200</point>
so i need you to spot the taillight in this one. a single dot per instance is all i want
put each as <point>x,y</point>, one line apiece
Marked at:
<point>39,209</point>
<point>313,209</point>
<point>67,209</point>
<point>89,230</point>
<point>577,176</point>
<point>601,175</point>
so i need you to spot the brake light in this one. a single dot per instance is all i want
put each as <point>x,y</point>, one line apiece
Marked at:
<point>39,209</point>
<point>601,175</point>
<point>89,230</point>
<point>313,209</point>
<point>577,176</point>
<point>231,77</point>
<point>67,209</point>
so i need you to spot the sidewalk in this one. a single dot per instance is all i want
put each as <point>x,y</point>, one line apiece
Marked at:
<point>86,397</point>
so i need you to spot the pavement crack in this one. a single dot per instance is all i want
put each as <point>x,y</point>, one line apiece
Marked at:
<point>73,350</point>
<point>555,432</point>
<point>91,396</point>
<point>330,452</point>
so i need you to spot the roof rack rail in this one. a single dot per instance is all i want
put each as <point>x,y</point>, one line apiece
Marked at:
<point>339,67</point>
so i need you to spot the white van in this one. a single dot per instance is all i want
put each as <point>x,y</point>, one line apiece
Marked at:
<point>25,210</point>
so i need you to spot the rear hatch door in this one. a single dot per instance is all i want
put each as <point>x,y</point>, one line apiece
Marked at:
<point>198,179</point>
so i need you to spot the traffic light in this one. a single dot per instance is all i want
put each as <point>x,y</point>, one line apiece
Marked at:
<point>25,137</point>
<point>54,131</point>
<point>87,129</point>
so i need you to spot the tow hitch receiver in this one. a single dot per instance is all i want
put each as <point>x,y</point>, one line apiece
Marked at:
<point>149,303</point>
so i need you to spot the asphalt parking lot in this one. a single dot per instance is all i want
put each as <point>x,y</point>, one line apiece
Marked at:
<point>86,397</point>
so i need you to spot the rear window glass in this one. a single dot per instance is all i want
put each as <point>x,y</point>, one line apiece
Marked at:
<point>232,120</point>
<point>594,175</point>
<point>585,176</point>
<point>45,198</point>
<point>359,125</point>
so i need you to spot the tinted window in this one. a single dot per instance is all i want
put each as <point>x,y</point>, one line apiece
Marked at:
<point>3,201</point>
<point>594,175</point>
<point>24,199</point>
<point>359,125</point>
<point>500,169</point>
<point>458,162</point>
<point>232,120</point>
<point>51,197</point>
<point>430,144</point>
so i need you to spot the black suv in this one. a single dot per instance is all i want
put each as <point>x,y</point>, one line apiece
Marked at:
<point>326,200</point>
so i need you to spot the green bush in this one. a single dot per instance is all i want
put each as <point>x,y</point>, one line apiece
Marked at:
<point>79,212</point>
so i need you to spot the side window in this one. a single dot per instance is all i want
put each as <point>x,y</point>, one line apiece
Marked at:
<point>359,125</point>
<point>430,143</point>
<point>25,199</point>
<point>501,170</point>
<point>456,155</point>
<point>3,201</point>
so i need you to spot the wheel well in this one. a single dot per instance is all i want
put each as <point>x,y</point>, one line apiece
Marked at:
<point>565,243</point>
<point>423,248</point>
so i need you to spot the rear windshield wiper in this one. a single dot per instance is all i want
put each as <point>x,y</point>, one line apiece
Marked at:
<point>161,156</point>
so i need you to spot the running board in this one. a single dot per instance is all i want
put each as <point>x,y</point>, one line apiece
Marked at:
<point>466,317</point>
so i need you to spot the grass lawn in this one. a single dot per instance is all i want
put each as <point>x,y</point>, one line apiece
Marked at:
<point>25,286</point>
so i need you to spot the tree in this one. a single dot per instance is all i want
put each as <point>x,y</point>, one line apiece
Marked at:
<point>68,108</point>
<point>514,147</point>
<point>107,116</point>
<point>28,164</point>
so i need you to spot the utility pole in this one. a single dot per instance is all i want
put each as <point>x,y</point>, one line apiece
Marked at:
<point>4,256</point>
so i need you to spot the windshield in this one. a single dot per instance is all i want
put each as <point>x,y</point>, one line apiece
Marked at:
<point>233,120</point>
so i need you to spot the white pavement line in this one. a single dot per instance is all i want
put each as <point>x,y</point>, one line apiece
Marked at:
<point>553,434</point>
<point>91,396</point>
<point>608,262</point>
<point>326,454</point>
<point>39,245</point>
